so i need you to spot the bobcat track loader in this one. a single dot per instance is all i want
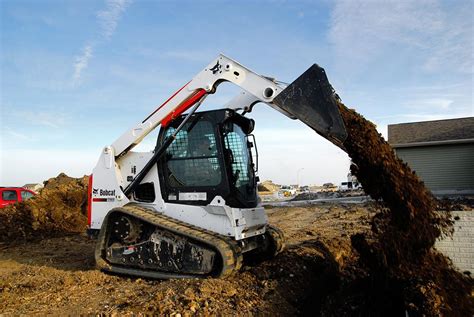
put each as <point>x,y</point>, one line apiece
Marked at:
<point>190,207</point>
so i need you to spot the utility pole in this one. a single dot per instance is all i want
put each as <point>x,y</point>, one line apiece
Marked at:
<point>298,176</point>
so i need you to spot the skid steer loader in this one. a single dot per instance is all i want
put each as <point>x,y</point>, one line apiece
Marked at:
<point>190,207</point>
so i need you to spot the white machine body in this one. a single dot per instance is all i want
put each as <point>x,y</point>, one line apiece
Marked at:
<point>111,175</point>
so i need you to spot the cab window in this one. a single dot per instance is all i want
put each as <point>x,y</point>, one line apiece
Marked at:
<point>26,195</point>
<point>10,195</point>
<point>192,158</point>
<point>236,143</point>
<point>243,177</point>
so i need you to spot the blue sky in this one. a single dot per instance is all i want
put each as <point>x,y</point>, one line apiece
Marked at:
<point>76,74</point>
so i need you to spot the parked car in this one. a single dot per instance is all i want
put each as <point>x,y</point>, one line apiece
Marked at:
<point>304,189</point>
<point>11,195</point>
<point>347,186</point>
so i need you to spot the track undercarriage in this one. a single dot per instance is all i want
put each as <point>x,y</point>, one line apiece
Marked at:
<point>141,242</point>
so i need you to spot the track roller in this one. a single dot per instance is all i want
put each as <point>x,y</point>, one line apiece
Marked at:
<point>137,241</point>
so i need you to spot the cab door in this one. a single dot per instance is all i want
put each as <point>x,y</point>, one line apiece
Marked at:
<point>8,196</point>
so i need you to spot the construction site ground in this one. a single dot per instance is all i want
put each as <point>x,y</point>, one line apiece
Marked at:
<point>57,275</point>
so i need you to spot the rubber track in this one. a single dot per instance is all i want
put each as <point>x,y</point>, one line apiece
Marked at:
<point>226,247</point>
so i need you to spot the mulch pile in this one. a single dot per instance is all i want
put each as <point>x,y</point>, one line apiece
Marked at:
<point>60,208</point>
<point>397,271</point>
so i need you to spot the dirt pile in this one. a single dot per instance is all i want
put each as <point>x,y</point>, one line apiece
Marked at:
<point>60,208</point>
<point>397,271</point>
<point>262,188</point>
<point>56,276</point>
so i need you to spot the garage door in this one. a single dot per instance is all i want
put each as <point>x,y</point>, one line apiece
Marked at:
<point>442,167</point>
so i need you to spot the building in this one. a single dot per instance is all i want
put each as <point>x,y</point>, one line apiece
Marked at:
<point>441,152</point>
<point>34,187</point>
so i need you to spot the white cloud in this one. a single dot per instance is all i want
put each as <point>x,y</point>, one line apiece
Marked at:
<point>442,35</point>
<point>433,104</point>
<point>48,118</point>
<point>108,20</point>
<point>16,136</point>
<point>359,27</point>
<point>453,47</point>
<point>189,55</point>
<point>81,63</point>
<point>109,17</point>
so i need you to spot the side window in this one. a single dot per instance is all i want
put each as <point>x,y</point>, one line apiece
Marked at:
<point>26,195</point>
<point>10,195</point>
<point>192,158</point>
<point>236,144</point>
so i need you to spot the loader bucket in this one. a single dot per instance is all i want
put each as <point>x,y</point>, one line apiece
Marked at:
<point>311,99</point>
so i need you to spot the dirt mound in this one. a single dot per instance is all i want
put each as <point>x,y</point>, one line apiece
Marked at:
<point>397,271</point>
<point>60,208</point>
<point>56,276</point>
<point>262,188</point>
<point>321,195</point>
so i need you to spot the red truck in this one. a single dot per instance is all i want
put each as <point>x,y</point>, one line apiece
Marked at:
<point>11,195</point>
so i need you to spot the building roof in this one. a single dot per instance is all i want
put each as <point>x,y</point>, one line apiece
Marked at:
<point>32,185</point>
<point>431,131</point>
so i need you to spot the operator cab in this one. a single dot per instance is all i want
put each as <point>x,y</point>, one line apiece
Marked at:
<point>211,156</point>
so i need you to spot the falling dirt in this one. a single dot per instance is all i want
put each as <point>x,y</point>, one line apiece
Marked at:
<point>60,208</point>
<point>398,271</point>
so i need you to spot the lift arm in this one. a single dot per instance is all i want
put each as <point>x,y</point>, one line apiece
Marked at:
<point>310,98</point>
<point>204,83</point>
